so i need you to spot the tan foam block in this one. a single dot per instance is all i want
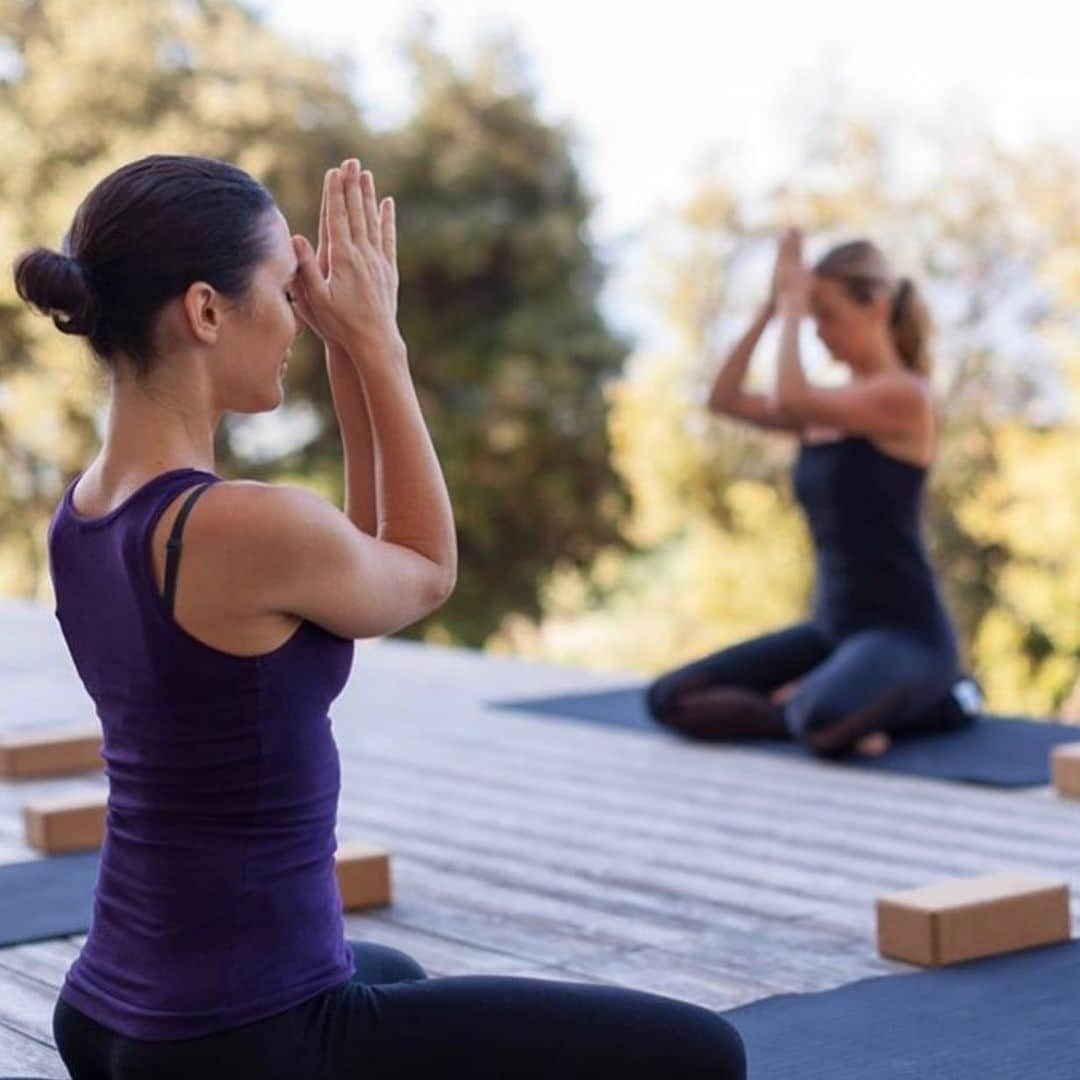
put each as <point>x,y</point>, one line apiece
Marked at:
<point>965,918</point>
<point>50,752</point>
<point>363,873</point>
<point>1065,769</point>
<point>67,823</point>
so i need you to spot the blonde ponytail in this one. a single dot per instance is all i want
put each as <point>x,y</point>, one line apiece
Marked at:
<point>864,272</point>
<point>911,326</point>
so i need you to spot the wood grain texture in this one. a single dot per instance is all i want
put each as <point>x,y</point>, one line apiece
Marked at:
<point>558,850</point>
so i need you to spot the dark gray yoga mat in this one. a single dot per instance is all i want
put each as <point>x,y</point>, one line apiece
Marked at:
<point>47,898</point>
<point>998,751</point>
<point>1005,1018</point>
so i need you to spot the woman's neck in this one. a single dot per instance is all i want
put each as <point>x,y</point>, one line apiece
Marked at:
<point>883,358</point>
<point>155,427</point>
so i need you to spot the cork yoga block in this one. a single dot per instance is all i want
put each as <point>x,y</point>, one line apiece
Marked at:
<point>363,873</point>
<point>1065,769</point>
<point>962,919</point>
<point>65,823</point>
<point>50,752</point>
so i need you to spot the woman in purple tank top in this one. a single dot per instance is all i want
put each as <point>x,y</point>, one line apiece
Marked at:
<point>217,944</point>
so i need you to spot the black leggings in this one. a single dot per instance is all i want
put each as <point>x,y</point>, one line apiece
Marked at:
<point>877,680</point>
<point>391,1020</point>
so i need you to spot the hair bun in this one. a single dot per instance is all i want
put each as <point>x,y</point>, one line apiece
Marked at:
<point>58,285</point>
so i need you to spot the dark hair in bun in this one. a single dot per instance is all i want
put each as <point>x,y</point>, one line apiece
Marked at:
<point>140,237</point>
<point>57,285</point>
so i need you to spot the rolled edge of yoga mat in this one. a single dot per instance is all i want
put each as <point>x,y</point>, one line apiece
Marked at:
<point>948,922</point>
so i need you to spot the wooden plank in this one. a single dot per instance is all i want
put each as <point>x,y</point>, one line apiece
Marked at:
<point>658,972</point>
<point>21,1055</point>
<point>26,1007</point>
<point>980,822</point>
<point>558,850</point>
<point>629,821</point>
<point>478,734</point>
<point>787,835</point>
<point>45,961</point>
<point>537,938</point>
<point>438,955</point>
<point>650,891</point>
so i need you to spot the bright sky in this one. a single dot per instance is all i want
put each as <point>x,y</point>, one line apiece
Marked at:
<point>652,90</point>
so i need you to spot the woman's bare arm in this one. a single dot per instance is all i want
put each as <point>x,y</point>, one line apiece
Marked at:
<point>727,395</point>
<point>347,292</point>
<point>357,440</point>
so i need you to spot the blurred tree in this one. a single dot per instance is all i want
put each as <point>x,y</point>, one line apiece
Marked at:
<point>84,88</point>
<point>499,285</point>
<point>721,552</point>
<point>499,305</point>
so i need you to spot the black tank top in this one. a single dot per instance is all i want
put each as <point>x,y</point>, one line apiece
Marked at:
<point>863,508</point>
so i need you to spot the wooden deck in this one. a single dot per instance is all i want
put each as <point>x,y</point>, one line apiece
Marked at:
<point>561,850</point>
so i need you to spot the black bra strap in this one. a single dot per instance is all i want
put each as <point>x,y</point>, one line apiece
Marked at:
<point>172,545</point>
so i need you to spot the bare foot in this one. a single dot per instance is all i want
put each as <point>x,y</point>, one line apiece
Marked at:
<point>873,745</point>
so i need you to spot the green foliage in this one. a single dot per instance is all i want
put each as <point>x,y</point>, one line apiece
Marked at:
<point>499,306</point>
<point>87,88</point>
<point>499,285</point>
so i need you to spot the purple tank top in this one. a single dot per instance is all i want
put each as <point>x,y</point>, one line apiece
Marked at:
<point>216,902</point>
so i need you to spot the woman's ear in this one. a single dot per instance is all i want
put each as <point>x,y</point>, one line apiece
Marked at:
<point>202,309</point>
